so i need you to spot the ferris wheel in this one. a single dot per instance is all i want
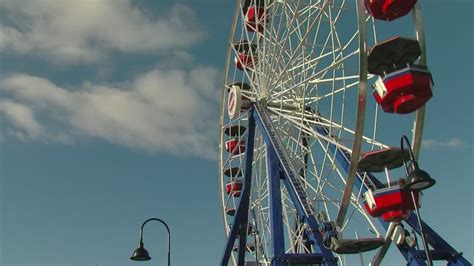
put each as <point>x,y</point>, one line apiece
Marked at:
<point>315,96</point>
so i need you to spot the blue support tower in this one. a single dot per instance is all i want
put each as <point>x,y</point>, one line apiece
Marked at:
<point>296,192</point>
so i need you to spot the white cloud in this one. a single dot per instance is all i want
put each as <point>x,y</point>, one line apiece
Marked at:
<point>166,110</point>
<point>22,119</point>
<point>83,31</point>
<point>442,144</point>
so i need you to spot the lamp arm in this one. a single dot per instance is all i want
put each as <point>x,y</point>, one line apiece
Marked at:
<point>410,151</point>
<point>167,229</point>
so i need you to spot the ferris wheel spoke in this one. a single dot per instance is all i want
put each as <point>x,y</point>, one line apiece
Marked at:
<point>289,61</point>
<point>320,97</point>
<point>343,47</point>
<point>372,228</point>
<point>273,39</point>
<point>312,120</point>
<point>336,16</point>
<point>329,167</point>
<point>314,76</point>
<point>322,179</point>
<point>311,131</point>
<point>286,220</point>
<point>336,47</point>
<point>271,42</point>
<point>299,71</point>
<point>342,89</point>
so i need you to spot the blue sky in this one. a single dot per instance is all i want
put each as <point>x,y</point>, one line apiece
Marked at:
<point>109,115</point>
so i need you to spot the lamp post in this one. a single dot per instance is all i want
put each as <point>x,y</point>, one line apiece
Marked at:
<point>141,254</point>
<point>417,180</point>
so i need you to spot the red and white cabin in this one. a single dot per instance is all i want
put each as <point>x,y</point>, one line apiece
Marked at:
<point>234,188</point>
<point>403,86</point>
<point>245,61</point>
<point>389,9</point>
<point>235,146</point>
<point>255,18</point>
<point>404,91</point>
<point>393,203</point>
<point>389,201</point>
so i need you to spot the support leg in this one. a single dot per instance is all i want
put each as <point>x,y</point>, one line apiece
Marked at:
<point>276,216</point>
<point>239,227</point>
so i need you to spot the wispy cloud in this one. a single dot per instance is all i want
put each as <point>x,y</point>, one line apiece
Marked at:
<point>22,118</point>
<point>71,31</point>
<point>168,110</point>
<point>443,144</point>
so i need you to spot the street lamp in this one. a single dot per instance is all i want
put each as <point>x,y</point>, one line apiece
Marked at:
<point>417,179</point>
<point>141,254</point>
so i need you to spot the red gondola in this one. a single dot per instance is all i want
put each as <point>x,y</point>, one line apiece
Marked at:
<point>234,188</point>
<point>389,201</point>
<point>235,146</point>
<point>389,9</point>
<point>394,203</point>
<point>255,18</point>
<point>245,57</point>
<point>244,61</point>
<point>402,86</point>
<point>404,91</point>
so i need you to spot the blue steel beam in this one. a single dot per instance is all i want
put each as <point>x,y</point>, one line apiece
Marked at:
<point>239,226</point>
<point>315,237</point>
<point>438,243</point>
<point>276,216</point>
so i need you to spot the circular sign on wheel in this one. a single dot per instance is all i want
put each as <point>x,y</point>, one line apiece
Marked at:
<point>234,102</point>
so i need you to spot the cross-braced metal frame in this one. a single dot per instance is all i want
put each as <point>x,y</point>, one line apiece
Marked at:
<point>280,171</point>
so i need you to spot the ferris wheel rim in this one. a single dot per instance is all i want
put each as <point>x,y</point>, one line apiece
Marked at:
<point>421,113</point>
<point>222,115</point>
<point>229,52</point>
